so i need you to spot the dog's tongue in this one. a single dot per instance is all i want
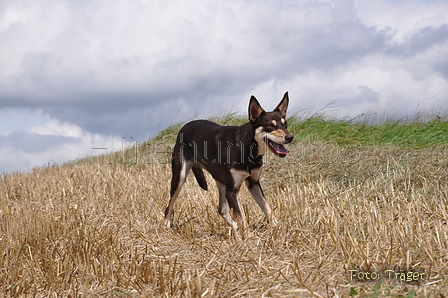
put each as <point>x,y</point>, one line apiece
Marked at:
<point>278,149</point>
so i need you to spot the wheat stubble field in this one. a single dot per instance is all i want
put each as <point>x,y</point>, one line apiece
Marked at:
<point>350,208</point>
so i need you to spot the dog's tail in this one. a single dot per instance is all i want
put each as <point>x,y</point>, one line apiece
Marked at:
<point>199,174</point>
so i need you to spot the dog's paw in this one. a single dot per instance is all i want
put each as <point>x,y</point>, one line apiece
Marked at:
<point>166,223</point>
<point>273,222</point>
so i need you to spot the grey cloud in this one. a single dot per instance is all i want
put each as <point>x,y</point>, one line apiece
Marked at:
<point>420,41</point>
<point>442,67</point>
<point>344,43</point>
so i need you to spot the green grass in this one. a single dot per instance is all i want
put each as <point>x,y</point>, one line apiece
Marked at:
<point>401,133</point>
<point>398,133</point>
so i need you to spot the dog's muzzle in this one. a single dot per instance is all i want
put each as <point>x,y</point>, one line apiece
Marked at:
<point>279,149</point>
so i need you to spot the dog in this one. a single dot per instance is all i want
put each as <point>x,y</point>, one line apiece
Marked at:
<point>233,155</point>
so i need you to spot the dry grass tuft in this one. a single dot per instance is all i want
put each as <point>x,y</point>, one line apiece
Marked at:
<point>92,230</point>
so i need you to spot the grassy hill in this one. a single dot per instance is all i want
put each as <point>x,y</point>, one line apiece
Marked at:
<point>361,209</point>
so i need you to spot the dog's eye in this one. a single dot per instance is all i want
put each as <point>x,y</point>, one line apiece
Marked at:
<point>269,125</point>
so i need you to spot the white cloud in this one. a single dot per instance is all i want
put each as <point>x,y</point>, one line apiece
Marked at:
<point>55,128</point>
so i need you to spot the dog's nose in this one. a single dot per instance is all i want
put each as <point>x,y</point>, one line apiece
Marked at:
<point>289,138</point>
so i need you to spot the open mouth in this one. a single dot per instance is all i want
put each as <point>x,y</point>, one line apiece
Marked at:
<point>277,149</point>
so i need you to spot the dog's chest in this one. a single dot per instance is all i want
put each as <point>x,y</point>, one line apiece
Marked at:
<point>239,176</point>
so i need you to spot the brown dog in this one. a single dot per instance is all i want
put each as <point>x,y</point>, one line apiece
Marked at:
<point>232,155</point>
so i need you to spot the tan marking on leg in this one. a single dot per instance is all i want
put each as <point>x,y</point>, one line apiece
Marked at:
<point>242,224</point>
<point>223,207</point>
<point>186,166</point>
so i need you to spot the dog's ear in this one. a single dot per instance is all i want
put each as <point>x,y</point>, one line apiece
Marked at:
<point>255,110</point>
<point>283,105</point>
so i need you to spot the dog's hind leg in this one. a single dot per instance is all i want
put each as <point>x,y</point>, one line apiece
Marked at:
<point>180,172</point>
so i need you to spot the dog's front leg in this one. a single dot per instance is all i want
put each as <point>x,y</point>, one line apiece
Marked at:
<point>238,214</point>
<point>240,226</point>
<point>223,207</point>
<point>257,193</point>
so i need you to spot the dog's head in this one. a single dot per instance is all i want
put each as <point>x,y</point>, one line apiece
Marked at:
<point>270,127</point>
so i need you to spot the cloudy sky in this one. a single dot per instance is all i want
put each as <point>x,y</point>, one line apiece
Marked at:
<point>78,74</point>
